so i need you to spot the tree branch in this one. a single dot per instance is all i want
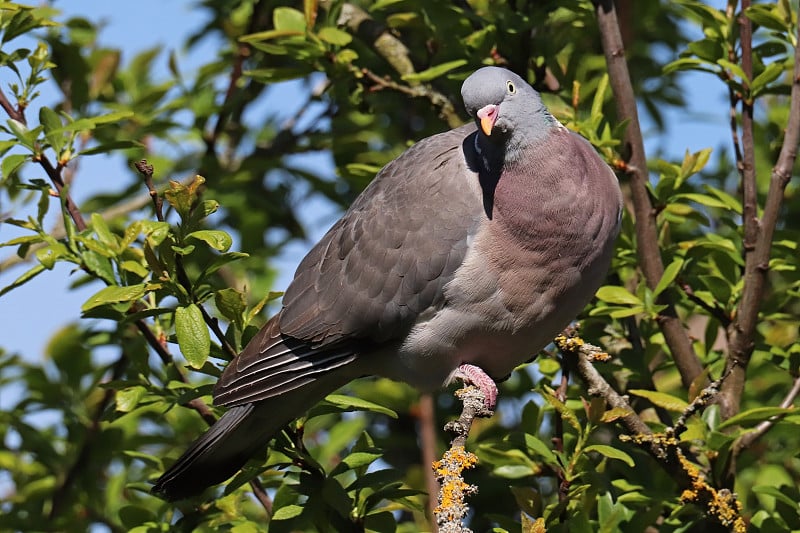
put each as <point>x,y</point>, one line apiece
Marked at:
<point>647,248</point>
<point>742,331</point>
<point>54,173</point>
<point>395,52</point>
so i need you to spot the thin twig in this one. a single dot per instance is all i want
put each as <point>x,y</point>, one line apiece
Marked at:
<point>748,439</point>
<point>146,170</point>
<point>53,172</point>
<point>558,430</point>
<point>261,495</point>
<point>10,110</point>
<point>675,334</point>
<point>716,310</point>
<point>440,101</point>
<point>244,51</point>
<point>706,397</point>
<point>62,493</point>
<point>427,437</point>
<point>742,331</point>
<point>58,232</point>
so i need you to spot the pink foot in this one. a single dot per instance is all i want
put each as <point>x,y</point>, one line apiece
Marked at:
<point>476,376</point>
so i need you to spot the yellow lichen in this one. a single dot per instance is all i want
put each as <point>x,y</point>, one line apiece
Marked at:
<point>454,489</point>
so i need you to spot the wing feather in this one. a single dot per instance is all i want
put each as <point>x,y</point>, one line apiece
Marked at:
<point>382,264</point>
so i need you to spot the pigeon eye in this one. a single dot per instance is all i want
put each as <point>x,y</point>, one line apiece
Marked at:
<point>510,87</point>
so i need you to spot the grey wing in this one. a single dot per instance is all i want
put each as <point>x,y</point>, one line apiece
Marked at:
<point>389,256</point>
<point>382,264</point>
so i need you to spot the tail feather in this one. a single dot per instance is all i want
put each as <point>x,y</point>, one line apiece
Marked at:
<point>215,456</point>
<point>238,435</point>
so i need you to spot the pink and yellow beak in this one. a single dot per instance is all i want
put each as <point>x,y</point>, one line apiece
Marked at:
<point>487,116</point>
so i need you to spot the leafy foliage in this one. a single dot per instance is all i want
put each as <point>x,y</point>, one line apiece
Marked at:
<point>87,431</point>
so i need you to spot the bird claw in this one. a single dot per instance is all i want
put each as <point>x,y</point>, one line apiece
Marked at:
<point>476,376</point>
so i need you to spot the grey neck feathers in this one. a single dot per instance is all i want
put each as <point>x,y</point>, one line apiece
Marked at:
<point>504,148</point>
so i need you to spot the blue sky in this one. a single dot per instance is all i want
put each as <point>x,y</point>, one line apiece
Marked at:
<point>136,26</point>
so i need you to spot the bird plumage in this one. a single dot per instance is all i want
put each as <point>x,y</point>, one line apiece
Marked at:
<point>468,249</point>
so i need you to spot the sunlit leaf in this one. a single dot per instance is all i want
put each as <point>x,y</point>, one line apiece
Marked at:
<point>193,336</point>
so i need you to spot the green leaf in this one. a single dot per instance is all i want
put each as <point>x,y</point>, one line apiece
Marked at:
<point>26,137</point>
<point>220,261</point>
<point>49,255</point>
<point>115,294</point>
<point>434,72</point>
<point>755,415</point>
<point>565,412</point>
<point>231,303</point>
<point>335,36</point>
<point>286,18</point>
<point>599,96</point>
<point>110,147</point>
<point>128,399</point>
<point>515,471</point>
<point>356,460</point>
<point>51,122</point>
<point>193,336</point>
<point>610,452</point>
<point>776,493</point>
<point>255,38</point>
<point>771,73</point>
<point>661,399</point>
<point>686,63</point>
<point>351,403</point>
<point>766,15</point>
<point>99,265</point>
<point>288,512</point>
<point>217,239</point>
<point>735,69</point>
<point>538,446</point>
<point>732,203</point>
<point>103,232</point>
<point>614,294</point>
<point>670,273</point>
<point>707,49</point>
<point>26,277</point>
<point>702,199</point>
<point>11,163</point>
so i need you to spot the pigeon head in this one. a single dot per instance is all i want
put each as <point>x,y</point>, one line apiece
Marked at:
<point>507,110</point>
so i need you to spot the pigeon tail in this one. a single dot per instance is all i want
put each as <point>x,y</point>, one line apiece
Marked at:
<point>238,435</point>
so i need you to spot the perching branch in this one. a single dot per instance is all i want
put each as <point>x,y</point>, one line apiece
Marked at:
<point>742,331</point>
<point>647,248</point>
<point>452,509</point>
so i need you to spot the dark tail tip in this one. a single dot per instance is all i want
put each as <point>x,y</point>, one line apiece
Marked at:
<point>213,458</point>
